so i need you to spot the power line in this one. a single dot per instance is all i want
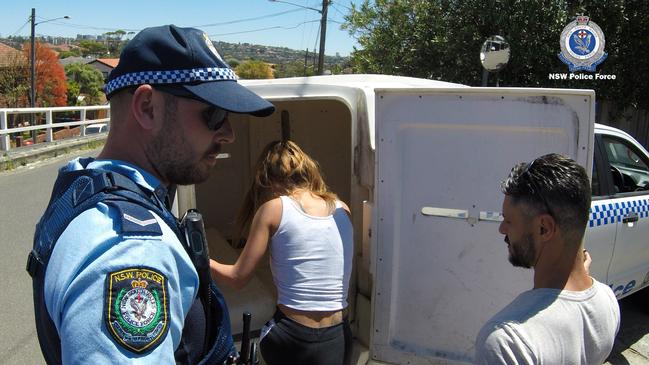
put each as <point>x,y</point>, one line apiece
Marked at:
<point>21,27</point>
<point>338,10</point>
<point>82,26</point>
<point>262,29</point>
<point>310,34</point>
<point>343,5</point>
<point>317,38</point>
<point>247,19</point>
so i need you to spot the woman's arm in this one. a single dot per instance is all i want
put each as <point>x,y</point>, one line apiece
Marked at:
<point>264,224</point>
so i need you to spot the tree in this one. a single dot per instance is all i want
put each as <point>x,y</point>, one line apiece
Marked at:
<point>89,82</point>
<point>114,41</point>
<point>92,48</point>
<point>73,93</point>
<point>254,69</point>
<point>74,52</point>
<point>294,69</point>
<point>50,79</point>
<point>441,39</point>
<point>14,82</point>
<point>51,88</point>
<point>233,62</point>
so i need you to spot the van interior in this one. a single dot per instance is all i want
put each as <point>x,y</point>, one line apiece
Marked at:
<point>323,129</point>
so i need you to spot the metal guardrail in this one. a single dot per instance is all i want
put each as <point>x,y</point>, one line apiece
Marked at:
<point>50,123</point>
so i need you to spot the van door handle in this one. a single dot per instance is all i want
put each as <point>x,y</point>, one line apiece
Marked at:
<point>630,218</point>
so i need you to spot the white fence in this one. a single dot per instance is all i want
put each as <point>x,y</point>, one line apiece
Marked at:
<point>50,121</point>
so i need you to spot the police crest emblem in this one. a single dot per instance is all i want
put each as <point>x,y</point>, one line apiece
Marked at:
<point>137,308</point>
<point>582,45</point>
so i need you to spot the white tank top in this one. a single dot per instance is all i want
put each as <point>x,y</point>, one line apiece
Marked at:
<point>311,258</point>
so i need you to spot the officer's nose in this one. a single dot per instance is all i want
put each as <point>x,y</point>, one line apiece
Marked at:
<point>225,134</point>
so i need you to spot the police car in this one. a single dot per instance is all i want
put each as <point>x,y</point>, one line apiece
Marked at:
<point>618,231</point>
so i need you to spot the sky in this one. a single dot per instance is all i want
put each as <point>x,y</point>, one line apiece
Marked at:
<point>244,21</point>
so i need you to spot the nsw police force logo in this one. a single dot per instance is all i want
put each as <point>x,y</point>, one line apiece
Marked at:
<point>137,308</point>
<point>582,45</point>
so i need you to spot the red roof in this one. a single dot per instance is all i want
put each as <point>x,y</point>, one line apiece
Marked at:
<point>111,62</point>
<point>8,55</point>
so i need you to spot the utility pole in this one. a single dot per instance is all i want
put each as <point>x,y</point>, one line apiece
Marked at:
<point>32,57</point>
<point>32,89</point>
<point>323,32</point>
<point>306,57</point>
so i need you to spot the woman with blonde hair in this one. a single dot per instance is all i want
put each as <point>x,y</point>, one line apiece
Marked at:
<point>290,208</point>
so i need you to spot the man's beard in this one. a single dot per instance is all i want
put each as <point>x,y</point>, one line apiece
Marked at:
<point>173,155</point>
<point>522,253</point>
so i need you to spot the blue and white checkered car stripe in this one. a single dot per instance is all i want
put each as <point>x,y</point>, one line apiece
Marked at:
<point>170,77</point>
<point>612,212</point>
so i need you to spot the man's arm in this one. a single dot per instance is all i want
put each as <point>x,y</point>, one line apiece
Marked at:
<point>117,298</point>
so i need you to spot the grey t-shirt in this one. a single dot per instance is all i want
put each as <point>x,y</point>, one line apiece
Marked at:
<point>552,326</point>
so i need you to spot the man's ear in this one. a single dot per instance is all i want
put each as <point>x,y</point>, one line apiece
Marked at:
<point>142,107</point>
<point>547,227</point>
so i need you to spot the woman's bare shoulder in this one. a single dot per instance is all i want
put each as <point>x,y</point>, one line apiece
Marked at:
<point>273,203</point>
<point>270,209</point>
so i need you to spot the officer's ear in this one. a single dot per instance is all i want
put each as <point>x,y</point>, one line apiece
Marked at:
<point>143,106</point>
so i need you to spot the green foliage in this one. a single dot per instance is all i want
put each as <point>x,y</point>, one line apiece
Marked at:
<point>14,87</point>
<point>294,69</point>
<point>89,82</point>
<point>233,62</point>
<point>115,42</point>
<point>92,48</point>
<point>441,39</point>
<point>74,52</point>
<point>254,69</point>
<point>73,92</point>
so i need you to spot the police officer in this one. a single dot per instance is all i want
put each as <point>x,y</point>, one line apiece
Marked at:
<point>115,278</point>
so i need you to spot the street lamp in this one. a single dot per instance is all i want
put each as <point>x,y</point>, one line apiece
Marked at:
<point>32,57</point>
<point>323,28</point>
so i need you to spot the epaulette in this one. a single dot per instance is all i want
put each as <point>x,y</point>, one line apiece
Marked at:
<point>135,219</point>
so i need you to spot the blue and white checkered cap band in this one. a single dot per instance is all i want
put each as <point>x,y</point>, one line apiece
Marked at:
<point>609,213</point>
<point>170,77</point>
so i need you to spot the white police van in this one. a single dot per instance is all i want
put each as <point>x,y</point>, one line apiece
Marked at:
<point>420,163</point>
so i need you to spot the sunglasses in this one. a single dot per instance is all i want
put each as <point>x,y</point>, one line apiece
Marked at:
<point>535,188</point>
<point>213,116</point>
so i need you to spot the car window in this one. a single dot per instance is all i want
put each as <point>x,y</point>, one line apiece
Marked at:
<point>594,185</point>
<point>629,167</point>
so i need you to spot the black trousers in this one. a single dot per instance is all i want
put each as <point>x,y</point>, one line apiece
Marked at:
<point>287,342</point>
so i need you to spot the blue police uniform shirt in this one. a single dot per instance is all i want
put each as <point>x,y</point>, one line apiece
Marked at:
<point>86,254</point>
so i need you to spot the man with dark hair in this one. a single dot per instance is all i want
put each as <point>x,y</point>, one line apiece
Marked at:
<point>117,278</point>
<point>568,317</point>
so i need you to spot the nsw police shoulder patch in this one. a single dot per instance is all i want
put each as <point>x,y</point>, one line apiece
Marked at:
<point>137,308</point>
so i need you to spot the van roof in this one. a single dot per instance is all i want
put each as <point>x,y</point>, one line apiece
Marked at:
<point>363,81</point>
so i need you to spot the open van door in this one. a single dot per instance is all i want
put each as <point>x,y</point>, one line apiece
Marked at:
<point>440,266</point>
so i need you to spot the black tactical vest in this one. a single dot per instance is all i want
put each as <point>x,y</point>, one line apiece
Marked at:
<point>202,341</point>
